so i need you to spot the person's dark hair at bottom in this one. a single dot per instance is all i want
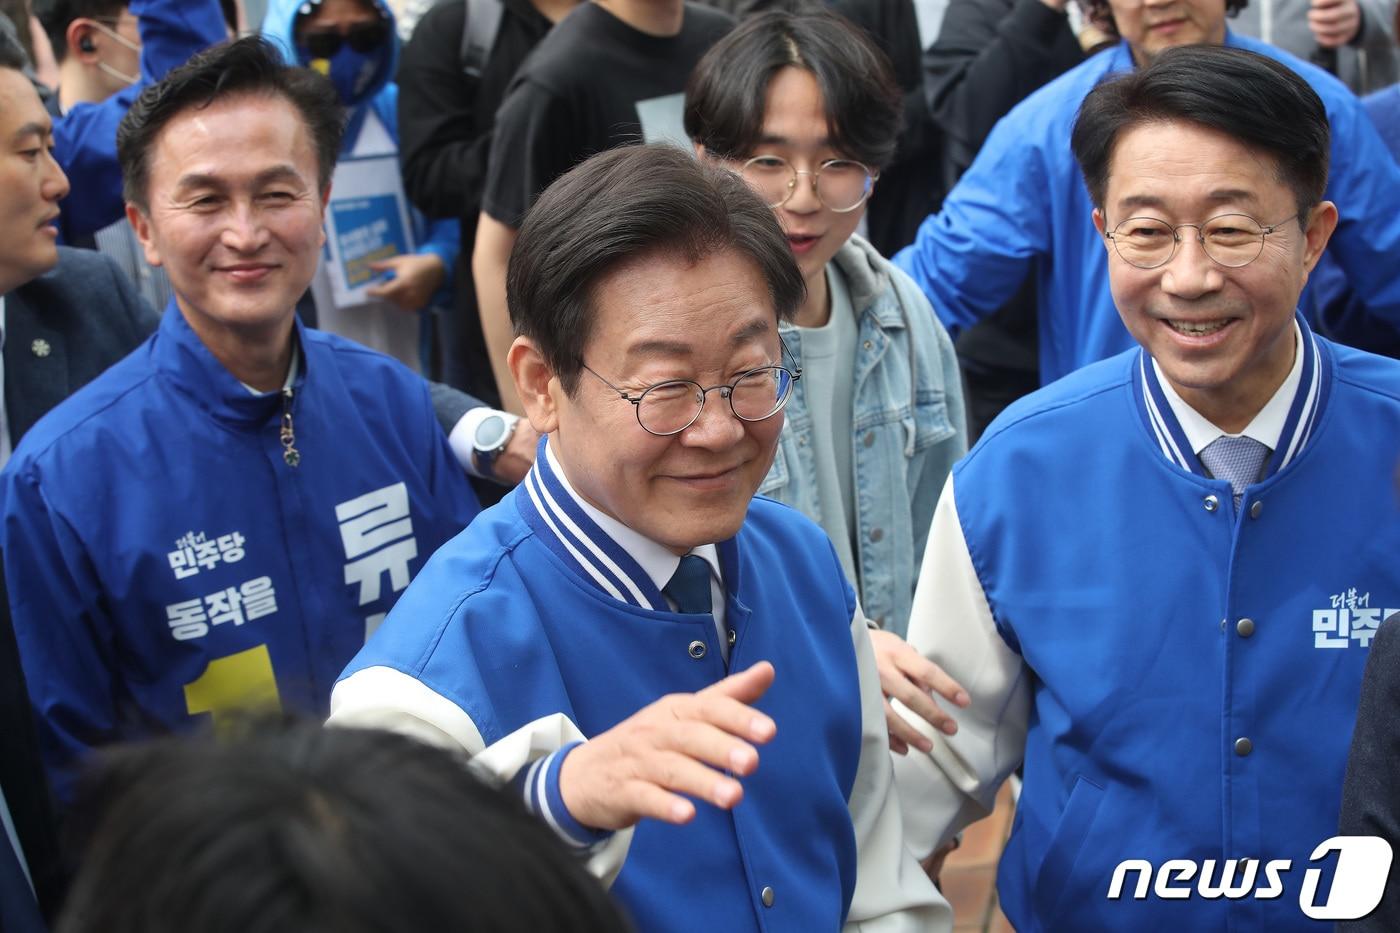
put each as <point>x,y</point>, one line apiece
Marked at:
<point>292,827</point>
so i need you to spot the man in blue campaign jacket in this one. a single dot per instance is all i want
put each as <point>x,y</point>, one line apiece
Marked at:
<point>631,627</point>
<point>1159,578</point>
<point>219,519</point>
<point>1022,209</point>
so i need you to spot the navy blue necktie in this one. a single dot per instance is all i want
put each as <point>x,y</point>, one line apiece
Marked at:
<point>689,588</point>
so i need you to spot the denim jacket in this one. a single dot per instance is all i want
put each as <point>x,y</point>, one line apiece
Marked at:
<point>909,428</point>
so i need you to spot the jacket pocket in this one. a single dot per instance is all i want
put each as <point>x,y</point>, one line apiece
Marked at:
<point>931,422</point>
<point>1052,882</point>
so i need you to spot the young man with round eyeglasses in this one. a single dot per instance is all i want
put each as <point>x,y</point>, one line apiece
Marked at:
<point>878,420</point>
<point>1160,577</point>
<point>674,673</point>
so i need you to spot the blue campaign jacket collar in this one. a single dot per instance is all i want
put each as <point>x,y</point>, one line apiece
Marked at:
<point>183,359</point>
<point>1303,414</point>
<point>565,528</point>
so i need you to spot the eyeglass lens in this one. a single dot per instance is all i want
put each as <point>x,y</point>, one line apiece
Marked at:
<point>1231,239</point>
<point>673,406</point>
<point>362,37</point>
<point>841,183</point>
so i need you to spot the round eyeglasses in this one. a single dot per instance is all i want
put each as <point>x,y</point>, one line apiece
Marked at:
<point>670,407</point>
<point>842,185</point>
<point>1231,240</point>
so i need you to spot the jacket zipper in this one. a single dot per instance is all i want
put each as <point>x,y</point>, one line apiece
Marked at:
<point>289,438</point>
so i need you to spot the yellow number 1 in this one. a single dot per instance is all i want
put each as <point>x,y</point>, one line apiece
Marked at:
<point>236,683</point>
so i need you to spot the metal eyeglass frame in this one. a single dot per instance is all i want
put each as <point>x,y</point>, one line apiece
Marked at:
<point>871,176</point>
<point>1264,231</point>
<point>726,392</point>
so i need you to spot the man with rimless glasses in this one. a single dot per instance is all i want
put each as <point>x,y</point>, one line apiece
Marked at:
<point>673,673</point>
<point>1159,577</point>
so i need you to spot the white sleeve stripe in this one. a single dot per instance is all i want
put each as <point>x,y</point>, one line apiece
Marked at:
<point>548,812</point>
<point>527,788</point>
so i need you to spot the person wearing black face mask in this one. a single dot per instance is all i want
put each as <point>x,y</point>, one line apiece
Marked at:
<point>386,267</point>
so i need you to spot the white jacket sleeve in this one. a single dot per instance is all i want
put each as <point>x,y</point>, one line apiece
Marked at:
<point>384,698</point>
<point>952,625</point>
<point>892,892</point>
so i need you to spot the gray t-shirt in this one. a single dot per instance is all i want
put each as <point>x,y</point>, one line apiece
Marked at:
<point>828,377</point>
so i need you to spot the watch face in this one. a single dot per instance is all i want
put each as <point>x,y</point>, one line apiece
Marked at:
<point>490,433</point>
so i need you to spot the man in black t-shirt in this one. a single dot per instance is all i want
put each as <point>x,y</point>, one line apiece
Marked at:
<point>612,73</point>
<point>447,109</point>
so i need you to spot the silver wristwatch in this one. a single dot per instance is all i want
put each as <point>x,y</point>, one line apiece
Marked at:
<point>490,440</point>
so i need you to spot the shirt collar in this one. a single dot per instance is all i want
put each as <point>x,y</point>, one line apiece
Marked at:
<point>288,383</point>
<point>1266,426</point>
<point>1305,403</point>
<point>657,561</point>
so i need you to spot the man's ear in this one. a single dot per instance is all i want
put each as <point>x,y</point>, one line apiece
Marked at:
<point>536,384</point>
<point>141,225</point>
<point>79,39</point>
<point>1099,222</point>
<point>1322,220</point>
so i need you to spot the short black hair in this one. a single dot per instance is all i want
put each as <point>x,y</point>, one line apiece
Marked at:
<point>1250,97</point>
<point>1100,13</point>
<point>727,92</point>
<point>294,827</point>
<point>247,66</point>
<point>621,205</point>
<point>56,15</point>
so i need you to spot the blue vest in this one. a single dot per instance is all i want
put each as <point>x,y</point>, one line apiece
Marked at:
<point>533,610</point>
<point>1164,725</point>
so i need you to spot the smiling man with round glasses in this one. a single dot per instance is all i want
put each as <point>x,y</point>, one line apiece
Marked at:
<point>674,673</point>
<point>1159,577</point>
<point>670,407</point>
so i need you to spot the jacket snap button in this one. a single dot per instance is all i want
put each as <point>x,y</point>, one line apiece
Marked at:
<point>767,895</point>
<point>1211,503</point>
<point>868,345</point>
<point>1243,747</point>
<point>1245,627</point>
<point>697,650</point>
<point>869,440</point>
<point>732,636</point>
<point>1256,508</point>
<point>877,534</point>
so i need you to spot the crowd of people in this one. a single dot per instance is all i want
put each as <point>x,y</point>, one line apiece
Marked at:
<point>413,312</point>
